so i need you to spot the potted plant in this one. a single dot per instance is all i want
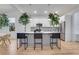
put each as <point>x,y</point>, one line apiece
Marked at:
<point>3,20</point>
<point>54,19</point>
<point>24,20</point>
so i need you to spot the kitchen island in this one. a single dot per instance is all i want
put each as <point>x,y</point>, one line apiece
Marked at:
<point>46,37</point>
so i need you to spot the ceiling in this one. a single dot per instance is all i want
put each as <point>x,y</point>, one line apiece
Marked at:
<point>38,9</point>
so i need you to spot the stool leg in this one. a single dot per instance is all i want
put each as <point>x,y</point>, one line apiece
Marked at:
<point>56,43</point>
<point>20,42</point>
<point>25,46</point>
<point>59,44</point>
<point>51,43</point>
<point>27,42</point>
<point>51,46</point>
<point>17,44</point>
<point>34,44</point>
<point>24,43</point>
<point>41,44</point>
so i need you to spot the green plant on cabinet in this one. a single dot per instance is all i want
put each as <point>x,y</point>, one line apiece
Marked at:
<point>24,20</point>
<point>3,20</point>
<point>54,19</point>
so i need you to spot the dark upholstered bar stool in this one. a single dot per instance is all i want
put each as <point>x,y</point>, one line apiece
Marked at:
<point>54,39</point>
<point>38,36</point>
<point>23,40</point>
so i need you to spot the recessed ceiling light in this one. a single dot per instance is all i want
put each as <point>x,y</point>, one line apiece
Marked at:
<point>35,12</point>
<point>48,19</point>
<point>56,11</point>
<point>45,12</point>
<point>30,19</point>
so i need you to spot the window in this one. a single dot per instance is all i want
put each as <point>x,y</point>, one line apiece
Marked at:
<point>11,24</point>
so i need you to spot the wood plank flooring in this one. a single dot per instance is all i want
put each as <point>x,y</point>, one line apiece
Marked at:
<point>67,48</point>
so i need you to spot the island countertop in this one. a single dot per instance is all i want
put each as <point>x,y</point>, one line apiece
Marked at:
<point>44,32</point>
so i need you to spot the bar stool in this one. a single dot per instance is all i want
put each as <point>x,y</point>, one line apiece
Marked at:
<point>38,36</point>
<point>23,40</point>
<point>54,40</point>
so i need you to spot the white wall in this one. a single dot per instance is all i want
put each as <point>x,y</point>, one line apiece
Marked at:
<point>67,18</point>
<point>72,27</point>
<point>75,28</point>
<point>68,28</point>
<point>76,23</point>
<point>62,19</point>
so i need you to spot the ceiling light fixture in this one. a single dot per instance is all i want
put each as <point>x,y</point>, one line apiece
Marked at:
<point>45,12</point>
<point>48,19</point>
<point>35,12</point>
<point>30,19</point>
<point>56,11</point>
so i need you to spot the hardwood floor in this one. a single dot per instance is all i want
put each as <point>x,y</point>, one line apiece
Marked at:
<point>67,48</point>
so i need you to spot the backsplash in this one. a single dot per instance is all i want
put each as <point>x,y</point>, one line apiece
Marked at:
<point>57,29</point>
